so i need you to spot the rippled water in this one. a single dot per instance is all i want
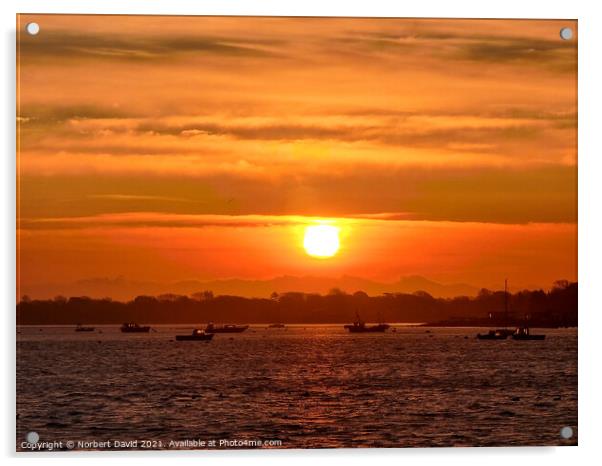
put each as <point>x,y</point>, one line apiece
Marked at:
<point>308,387</point>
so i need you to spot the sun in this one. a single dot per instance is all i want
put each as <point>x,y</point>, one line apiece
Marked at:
<point>321,241</point>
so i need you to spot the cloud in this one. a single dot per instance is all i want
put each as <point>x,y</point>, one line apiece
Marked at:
<point>498,195</point>
<point>335,116</point>
<point>47,113</point>
<point>528,51</point>
<point>480,133</point>
<point>137,197</point>
<point>469,43</point>
<point>159,219</point>
<point>115,46</point>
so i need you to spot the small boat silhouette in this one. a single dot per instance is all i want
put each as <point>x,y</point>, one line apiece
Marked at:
<point>132,327</point>
<point>276,325</point>
<point>359,326</point>
<point>225,328</point>
<point>82,328</point>
<point>499,334</point>
<point>197,335</point>
<point>523,333</point>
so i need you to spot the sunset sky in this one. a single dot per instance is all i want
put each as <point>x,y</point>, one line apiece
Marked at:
<point>163,149</point>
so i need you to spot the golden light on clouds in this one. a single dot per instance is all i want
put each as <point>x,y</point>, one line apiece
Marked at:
<point>178,148</point>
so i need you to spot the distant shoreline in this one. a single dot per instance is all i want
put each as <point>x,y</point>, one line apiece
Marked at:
<point>297,325</point>
<point>483,325</point>
<point>556,308</point>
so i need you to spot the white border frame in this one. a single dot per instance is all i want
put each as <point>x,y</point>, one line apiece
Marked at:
<point>590,225</point>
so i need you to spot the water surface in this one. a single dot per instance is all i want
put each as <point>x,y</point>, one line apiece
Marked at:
<point>304,386</point>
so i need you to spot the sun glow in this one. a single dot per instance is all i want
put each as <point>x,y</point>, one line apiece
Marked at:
<point>321,241</point>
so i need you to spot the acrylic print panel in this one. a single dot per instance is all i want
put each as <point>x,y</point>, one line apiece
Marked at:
<point>244,232</point>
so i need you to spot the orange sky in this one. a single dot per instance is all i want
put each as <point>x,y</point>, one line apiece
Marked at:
<point>188,148</point>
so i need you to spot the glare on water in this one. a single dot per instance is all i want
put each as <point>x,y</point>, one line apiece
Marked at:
<point>308,386</point>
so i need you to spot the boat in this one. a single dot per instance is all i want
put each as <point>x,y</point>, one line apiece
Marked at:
<point>500,333</point>
<point>523,333</point>
<point>228,328</point>
<point>132,327</point>
<point>359,326</point>
<point>276,325</point>
<point>196,335</point>
<point>82,328</point>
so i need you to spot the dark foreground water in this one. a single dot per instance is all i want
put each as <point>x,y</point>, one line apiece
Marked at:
<point>303,387</point>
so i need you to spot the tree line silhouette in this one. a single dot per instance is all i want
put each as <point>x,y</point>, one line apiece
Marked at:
<point>554,308</point>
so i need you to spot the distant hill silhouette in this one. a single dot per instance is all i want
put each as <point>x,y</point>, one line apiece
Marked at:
<point>123,289</point>
<point>557,307</point>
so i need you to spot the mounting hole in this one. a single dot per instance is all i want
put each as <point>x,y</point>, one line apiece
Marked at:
<point>32,29</point>
<point>566,432</point>
<point>566,33</point>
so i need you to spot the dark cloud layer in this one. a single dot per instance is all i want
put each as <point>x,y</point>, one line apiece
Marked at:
<point>392,130</point>
<point>417,40</point>
<point>469,46</point>
<point>60,44</point>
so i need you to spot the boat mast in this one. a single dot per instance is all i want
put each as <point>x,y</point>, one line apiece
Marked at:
<point>506,303</point>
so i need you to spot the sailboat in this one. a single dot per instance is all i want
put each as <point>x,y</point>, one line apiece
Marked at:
<point>500,333</point>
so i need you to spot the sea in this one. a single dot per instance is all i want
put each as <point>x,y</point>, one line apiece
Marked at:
<point>304,386</point>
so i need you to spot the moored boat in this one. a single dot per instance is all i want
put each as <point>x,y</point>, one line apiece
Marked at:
<point>132,327</point>
<point>83,328</point>
<point>499,334</point>
<point>276,325</point>
<point>228,328</point>
<point>359,326</point>
<point>523,333</point>
<point>197,335</point>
